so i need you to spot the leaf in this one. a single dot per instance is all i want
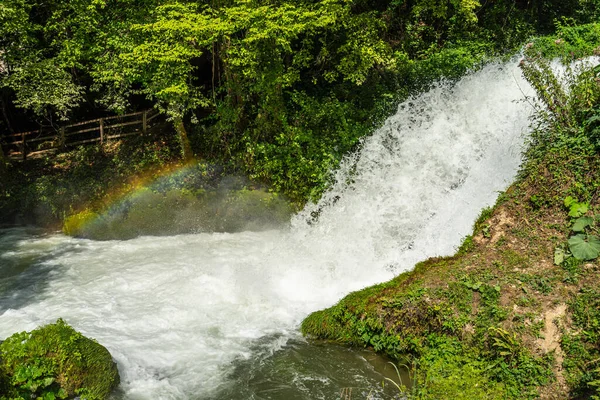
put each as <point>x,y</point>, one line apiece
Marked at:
<point>592,120</point>
<point>582,223</point>
<point>49,396</point>
<point>559,256</point>
<point>569,200</point>
<point>578,209</point>
<point>584,247</point>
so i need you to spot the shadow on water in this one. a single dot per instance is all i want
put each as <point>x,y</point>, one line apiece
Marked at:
<point>300,370</point>
<point>24,269</point>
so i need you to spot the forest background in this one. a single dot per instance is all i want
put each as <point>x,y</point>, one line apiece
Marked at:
<point>276,90</point>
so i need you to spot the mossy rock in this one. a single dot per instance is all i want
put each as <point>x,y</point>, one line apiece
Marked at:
<point>55,362</point>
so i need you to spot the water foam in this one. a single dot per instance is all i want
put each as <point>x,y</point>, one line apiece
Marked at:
<point>176,312</point>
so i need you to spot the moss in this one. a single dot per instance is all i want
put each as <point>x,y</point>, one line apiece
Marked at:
<point>74,224</point>
<point>447,370</point>
<point>582,347</point>
<point>55,360</point>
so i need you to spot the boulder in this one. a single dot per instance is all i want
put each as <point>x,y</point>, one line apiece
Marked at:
<point>56,362</point>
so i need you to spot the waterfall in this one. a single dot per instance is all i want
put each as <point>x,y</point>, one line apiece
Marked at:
<point>180,313</point>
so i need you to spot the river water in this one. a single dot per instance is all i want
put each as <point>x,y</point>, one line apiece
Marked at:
<point>216,316</point>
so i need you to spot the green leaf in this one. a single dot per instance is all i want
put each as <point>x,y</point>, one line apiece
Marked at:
<point>570,200</point>
<point>62,394</point>
<point>36,372</point>
<point>559,256</point>
<point>578,209</point>
<point>582,223</point>
<point>584,247</point>
<point>49,396</point>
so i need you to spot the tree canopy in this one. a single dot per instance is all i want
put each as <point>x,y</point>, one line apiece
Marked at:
<point>281,87</point>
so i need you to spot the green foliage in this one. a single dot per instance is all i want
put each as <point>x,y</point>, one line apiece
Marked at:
<point>279,89</point>
<point>466,320</point>
<point>576,209</point>
<point>403,318</point>
<point>56,362</point>
<point>43,192</point>
<point>584,247</point>
<point>448,369</point>
<point>570,102</point>
<point>581,223</point>
<point>581,346</point>
<point>45,89</point>
<point>592,128</point>
<point>571,41</point>
<point>156,60</point>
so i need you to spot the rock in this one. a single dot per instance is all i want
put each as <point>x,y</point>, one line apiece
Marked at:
<point>55,361</point>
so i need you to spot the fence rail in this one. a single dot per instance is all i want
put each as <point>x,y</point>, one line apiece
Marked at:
<point>32,144</point>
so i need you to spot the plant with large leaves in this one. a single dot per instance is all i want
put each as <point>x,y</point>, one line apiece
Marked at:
<point>584,247</point>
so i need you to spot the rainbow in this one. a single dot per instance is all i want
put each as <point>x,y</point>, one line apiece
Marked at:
<point>119,197</point>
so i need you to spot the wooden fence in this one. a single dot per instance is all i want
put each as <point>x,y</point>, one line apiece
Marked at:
<point>21,146</point>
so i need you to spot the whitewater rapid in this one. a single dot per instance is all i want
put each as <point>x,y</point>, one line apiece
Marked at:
<point>179,313</point>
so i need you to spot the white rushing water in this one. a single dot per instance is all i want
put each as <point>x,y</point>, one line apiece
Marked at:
<point>175,312</point>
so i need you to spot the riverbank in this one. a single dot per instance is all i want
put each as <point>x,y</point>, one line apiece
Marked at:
<point>514,313</point>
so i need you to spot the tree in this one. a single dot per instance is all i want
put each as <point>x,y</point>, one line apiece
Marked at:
<point>156,60</point>
<point>34,73</point>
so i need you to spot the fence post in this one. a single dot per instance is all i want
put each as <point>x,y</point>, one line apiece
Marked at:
<point>101,131</point>
<point>145,121</point>
<point>23,149</point>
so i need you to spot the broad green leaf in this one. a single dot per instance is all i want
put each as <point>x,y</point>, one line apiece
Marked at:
<point>582,223</point>
<point>584,247</point>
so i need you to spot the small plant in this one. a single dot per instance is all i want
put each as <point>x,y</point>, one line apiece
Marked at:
<point>402,388</point>
<point>504,344</point>
<point>576,209</point>
<point>583,245</point>
<point>592,127</point>
<point>486,231</point>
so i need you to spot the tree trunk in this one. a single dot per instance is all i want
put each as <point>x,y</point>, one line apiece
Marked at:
<point>5,113</point>
<point>3,162</point>
<point>3,159</point>
<point>186,148</point>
